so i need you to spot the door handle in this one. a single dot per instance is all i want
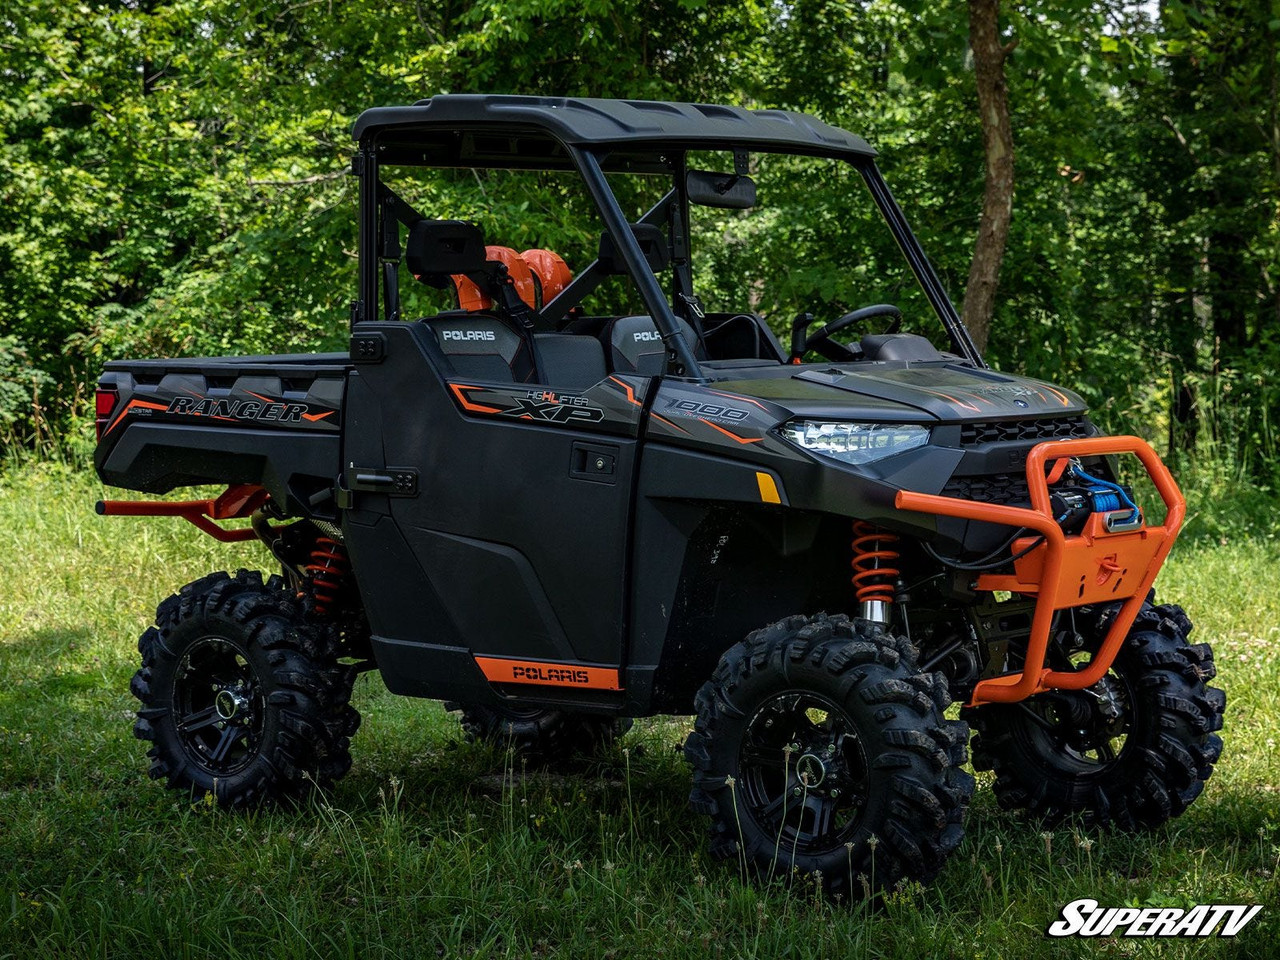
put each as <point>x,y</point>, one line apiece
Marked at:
<point>391,481</point>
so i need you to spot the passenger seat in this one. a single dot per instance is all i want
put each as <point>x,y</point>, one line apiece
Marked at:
<point>483,348</point>
<point>635,345</point>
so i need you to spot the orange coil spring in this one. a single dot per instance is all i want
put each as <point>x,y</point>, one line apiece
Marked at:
<point>327,571</point>
<point>873,558</point>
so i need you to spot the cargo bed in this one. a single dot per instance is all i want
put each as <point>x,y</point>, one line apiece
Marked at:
<point>272,420</point>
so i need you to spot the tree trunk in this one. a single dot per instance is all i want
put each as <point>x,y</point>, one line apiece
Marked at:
<point>997,144</point>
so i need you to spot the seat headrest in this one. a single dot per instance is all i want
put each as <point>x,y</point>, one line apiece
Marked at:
<point>437,248</point>
<point>483,347</point>
<point>653,242</point>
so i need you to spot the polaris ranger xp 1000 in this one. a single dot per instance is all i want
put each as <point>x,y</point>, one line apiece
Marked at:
<point>556,512</point>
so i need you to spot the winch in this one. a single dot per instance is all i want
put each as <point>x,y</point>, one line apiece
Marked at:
<point>1078,495</point>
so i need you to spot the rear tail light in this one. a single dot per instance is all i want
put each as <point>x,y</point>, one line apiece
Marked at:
<point>104,401</point>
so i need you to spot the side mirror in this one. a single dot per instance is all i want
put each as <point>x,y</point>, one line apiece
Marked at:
<point>652,241</point>
<point>730,191</point>
<point>438,248</point>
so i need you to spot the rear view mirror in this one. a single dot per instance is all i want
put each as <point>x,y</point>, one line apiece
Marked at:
<point>731,191</point>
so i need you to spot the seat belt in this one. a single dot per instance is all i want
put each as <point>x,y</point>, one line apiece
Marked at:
<point>503,290</point>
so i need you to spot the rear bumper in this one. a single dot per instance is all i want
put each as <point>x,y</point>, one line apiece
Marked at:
<point>1069,571</point>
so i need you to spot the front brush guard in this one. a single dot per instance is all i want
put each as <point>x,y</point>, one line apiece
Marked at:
<point>1092,567</point>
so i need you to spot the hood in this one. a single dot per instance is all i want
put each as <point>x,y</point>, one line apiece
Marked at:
<point>912,392</point>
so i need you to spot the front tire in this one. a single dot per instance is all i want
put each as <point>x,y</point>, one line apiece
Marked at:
<point>1134,750</point>
<point>820,749</point>
<point>240,696</point>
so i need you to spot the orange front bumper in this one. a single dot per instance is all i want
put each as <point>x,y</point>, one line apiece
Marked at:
<point>1091,567</point>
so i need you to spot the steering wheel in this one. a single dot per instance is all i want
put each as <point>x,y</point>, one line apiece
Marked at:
<point>820,340</point>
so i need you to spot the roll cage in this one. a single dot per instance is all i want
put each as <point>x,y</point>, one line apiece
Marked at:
<point>593,137</point>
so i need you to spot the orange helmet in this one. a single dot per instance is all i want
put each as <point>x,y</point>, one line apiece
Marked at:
<point>550,270</point>
<point>471,297</point>
<point>538,275</point>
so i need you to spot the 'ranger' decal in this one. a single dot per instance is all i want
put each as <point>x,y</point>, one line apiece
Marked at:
<point>257,410</point>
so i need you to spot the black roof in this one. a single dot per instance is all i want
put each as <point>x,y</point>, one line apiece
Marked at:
<point>501,130</point>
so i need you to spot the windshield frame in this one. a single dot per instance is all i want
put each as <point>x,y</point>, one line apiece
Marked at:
<point>591,162</point>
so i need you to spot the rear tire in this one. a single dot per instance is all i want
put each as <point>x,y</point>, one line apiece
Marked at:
<point>820,749</point>
<point>1133,751</point>
<point>540,734</point>
<point>240,696</point>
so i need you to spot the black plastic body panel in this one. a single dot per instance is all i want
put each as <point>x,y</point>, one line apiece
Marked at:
<point>642,523</point>
<point>515,552</point>
<point>269,420</point>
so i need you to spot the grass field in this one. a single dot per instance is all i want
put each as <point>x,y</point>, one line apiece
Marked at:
<point>424,850</point>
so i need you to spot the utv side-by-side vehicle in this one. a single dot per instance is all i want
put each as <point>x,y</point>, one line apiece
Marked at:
<point>557,517</point>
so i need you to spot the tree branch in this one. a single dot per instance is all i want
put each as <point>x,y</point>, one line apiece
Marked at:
<point>302,182</point>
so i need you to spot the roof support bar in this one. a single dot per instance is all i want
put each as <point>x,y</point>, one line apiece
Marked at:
<point>365,167</point>
<point>615,221</point>
<point>920,265</point>
<point>591,276</point>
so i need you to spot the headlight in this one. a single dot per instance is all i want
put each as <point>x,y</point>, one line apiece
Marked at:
<point>855,442</point>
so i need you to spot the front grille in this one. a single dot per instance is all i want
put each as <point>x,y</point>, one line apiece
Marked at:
<point>1006,489</point>
<point>993,431</point>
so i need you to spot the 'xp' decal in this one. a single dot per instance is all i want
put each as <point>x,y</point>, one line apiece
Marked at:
<point>545,405</point>
<point>554,407</point>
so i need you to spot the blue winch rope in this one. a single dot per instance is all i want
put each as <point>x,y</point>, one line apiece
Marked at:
<point>1118,496</point>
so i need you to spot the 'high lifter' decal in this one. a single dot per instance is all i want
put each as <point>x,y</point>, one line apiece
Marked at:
<point>611,406</point>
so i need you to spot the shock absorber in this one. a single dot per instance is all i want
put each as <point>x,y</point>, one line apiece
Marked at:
<point>874,573</point>
<point>327,570</point>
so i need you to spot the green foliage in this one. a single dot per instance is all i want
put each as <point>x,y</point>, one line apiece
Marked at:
<point>434,847</point>
<point>20,384</point>
<point>172,177</point>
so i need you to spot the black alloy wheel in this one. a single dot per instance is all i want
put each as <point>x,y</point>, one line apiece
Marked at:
<point>804,771</point>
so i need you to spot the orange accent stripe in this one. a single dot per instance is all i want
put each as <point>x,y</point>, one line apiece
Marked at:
<point>734,396</point>
<point>947,396</point>
<point>313,417</point>
<point>458,389</point>
<point>544,674</point>
<point>631,394</point>
<point>135,402</point>
<point>1061,396</point>
<point>730,434</point>
<point>673,426</point>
